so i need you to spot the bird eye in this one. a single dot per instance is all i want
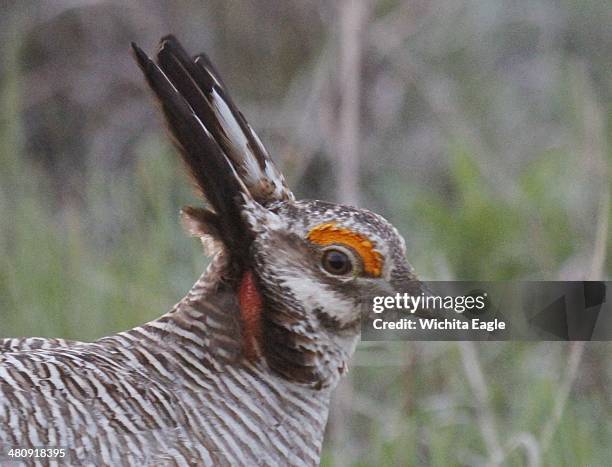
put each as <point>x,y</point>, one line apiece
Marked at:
<point>336,262</point>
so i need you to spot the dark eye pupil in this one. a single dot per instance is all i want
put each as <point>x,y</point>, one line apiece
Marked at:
<point>336,262</point>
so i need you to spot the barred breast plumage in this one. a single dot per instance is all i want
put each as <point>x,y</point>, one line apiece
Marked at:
<point>241,370</point>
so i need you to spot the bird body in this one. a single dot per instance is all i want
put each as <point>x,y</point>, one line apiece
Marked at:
<point>240,371</point>
<point>174,391</point>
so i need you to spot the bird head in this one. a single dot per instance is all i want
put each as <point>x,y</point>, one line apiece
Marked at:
<point>304,271</point>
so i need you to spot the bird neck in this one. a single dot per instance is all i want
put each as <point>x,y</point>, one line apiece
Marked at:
<point>197,349</point>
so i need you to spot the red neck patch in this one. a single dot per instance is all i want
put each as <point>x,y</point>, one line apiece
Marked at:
<point>251,308</point>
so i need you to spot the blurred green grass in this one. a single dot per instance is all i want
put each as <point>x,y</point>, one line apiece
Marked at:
<point>91,267</point>
<point>118,257</point>
<point>425,413</point>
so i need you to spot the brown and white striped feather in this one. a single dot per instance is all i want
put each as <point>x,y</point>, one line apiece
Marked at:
<point>175,391</point>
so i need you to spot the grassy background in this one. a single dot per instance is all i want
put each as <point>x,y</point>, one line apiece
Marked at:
<point>485,140</point>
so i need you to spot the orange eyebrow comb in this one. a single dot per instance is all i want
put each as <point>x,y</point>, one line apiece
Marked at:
<point>330,233</point>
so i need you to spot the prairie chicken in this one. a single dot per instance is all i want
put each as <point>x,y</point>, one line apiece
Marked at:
<point>240,371</point>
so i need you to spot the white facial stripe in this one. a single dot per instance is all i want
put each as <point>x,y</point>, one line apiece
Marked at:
<point>313,294</point>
